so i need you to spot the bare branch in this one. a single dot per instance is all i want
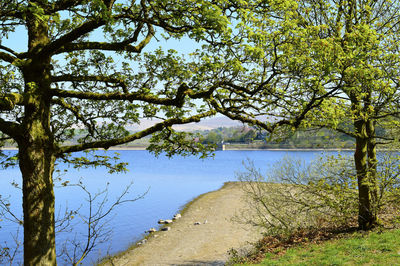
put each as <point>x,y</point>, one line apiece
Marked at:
<point>94,221</point>
<point>7,214</point>
<point>8,254</point>
<point>341,130</point>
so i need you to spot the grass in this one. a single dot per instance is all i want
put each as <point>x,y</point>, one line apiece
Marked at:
<point>375,248</point>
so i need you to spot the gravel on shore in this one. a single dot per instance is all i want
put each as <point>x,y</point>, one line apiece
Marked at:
<point>202,236</point>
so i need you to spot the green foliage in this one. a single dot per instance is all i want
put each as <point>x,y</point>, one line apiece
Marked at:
<point>86,75</point>
<point>8,161</point>
<point>184,143</point>
<point>94,158</point>
<point>323,193</point>
<point>99,80</point>
<point>230,135</point>
<point>213,137</point>
<point>307,64</point>
<point>301,139</point>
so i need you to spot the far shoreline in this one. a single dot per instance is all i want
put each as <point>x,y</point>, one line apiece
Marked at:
<point>226,149</point>
<point>142,148</point>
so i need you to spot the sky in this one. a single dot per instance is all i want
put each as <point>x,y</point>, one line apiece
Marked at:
<point>18,41</point>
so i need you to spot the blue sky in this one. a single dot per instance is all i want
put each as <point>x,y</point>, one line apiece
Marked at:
<point>18,41</point>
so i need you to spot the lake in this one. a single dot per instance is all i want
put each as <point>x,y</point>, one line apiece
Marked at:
<point>169,183</point>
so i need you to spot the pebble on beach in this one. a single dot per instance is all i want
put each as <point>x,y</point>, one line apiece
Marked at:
<point>142,242</point>
<point>177,216</point>
<point>161,221</point>
<point>151,230</point>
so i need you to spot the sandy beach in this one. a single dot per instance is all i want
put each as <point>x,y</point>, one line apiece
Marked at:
<point>202,236</point>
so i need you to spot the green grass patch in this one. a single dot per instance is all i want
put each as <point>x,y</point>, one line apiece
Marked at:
<point>375,248</point>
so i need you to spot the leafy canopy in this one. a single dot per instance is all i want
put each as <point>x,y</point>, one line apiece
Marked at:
<point>98,73</point>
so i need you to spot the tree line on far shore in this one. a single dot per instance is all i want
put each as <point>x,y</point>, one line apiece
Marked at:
<point>245,137</point>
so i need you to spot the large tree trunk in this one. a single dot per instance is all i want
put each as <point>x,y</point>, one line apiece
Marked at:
<point>366,219</point>
<point>37,158</point>
<point>37,164</point>
<point>37,153</point>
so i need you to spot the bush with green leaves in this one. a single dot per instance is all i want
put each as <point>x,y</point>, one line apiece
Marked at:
<point>296,195</point>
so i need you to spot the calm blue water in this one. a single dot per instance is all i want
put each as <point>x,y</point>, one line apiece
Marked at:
<point>170,183</point>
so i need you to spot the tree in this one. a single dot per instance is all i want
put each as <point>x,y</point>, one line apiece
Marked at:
<point>85,69</point>
<point>213,138</point>
<point>312,63</point>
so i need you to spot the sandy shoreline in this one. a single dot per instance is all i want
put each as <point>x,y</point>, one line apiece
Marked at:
<point>189,243</point>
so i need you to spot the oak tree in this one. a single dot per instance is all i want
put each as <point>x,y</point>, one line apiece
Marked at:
<point>314,63</point>
<point>86,73</point>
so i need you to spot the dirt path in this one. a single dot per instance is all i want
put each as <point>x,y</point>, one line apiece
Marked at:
<point>203,244</point>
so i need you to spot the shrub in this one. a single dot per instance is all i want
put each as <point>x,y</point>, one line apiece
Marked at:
<point>323,193</point>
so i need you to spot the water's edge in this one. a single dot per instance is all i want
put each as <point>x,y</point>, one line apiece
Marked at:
<point>182,210</point>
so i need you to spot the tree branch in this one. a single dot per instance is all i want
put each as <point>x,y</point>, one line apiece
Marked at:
<point>134,96</point>
<point>7,57</point>
<point>8,50</point>
<point>76,113</point>
<point>10,9</point>
<point>10,128</point>
<point>77,78</point>
<point>114,142</point>
<point>118,46</point>
<point>10,100</point>
<point>242,118</point>
<point>73,35</point>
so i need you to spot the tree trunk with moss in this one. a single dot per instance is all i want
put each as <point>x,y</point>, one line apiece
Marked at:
<point>37,166</point>
<point>37,157</point>
<point>366,218</point>
<point>37,153</point>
